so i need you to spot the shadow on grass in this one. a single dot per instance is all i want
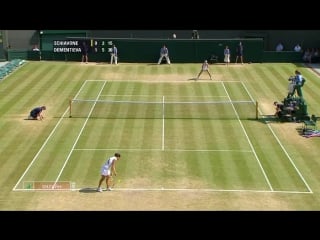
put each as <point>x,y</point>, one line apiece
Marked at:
<point>302,132</point>
<point>152,64</point>
<point>88,190</point>
<point>268,119</point>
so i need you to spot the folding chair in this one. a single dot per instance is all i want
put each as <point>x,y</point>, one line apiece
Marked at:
<point>213,59</point>
<point>310,124</point>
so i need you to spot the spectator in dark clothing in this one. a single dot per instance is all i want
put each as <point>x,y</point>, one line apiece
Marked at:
<point>239,52</point>
<point>84,51</point>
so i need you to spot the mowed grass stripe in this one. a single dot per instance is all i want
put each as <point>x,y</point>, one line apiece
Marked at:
<point>310,91</point>
<point>273,159</point>
<point>65,87</point>
<point>162,87</point>
<point>84,167</point>
<point>279,83</point>
<point>20,94</point>
<point>18,143</point>
<point>25,137</point>
<point>226,174</point>
<point>265,83</point>
<point>52,156</point>
<point>169,169</point>
<point>234,173</point>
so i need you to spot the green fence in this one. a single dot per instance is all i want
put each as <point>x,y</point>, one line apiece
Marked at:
<point>47,37</point>
<point>23,54</point>
<point>66,47</point>
<point>148,50</point>
<point>284,56</point>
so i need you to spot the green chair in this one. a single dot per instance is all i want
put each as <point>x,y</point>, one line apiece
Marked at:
<point>310,124</point>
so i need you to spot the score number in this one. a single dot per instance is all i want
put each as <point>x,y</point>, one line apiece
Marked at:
<point>100,46</point>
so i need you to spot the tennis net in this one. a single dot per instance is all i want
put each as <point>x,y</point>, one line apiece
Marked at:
<point>126,109</point>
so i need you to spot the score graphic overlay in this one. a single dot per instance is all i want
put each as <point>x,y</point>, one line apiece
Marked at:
<point>79,45</point>
<point>68,46</point>
<point>101,45</point>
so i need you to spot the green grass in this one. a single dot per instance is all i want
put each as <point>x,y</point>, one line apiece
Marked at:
<point>202,149</point>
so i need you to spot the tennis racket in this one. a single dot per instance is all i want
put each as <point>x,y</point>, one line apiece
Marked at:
<point>113,181</point>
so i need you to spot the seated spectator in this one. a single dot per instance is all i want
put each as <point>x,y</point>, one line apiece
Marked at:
<point>316,55</point>
<point>35,48</point>
<point>312,52</point>
<point>307,55</point>
<point>279,47</point>
<point>279,108</point>
<point>297,48</point>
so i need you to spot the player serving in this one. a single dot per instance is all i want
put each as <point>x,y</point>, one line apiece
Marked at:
<point>108,170</point>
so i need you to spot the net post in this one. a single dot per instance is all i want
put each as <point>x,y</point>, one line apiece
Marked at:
<point>257,113</point>
<point>70,103</point>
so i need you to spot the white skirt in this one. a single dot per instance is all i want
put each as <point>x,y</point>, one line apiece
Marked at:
<point>227,58</point>
<point>291,87</point>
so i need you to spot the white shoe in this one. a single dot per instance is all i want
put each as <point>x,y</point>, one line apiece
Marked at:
<point>99,190</point>
<point>109,189</point>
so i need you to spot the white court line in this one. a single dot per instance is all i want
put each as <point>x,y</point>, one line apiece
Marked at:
<point>282,147</point>
<point>42,147</point>
<point>40,150</point>
<point>124,189</point>
<point>47,139</point>
<point>251,146</point>
<point>131,95</point>
<point>93,189</point>
<point>171,81</point>
<point>287,154</point>
<point>78,137</point>
<point>163,120</point>
<point>248,139</point>
<point>158,149</point>
<point>203,190</point>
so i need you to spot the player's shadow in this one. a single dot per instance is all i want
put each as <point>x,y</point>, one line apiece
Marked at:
<point>194,79</point>
<point>88,190</point>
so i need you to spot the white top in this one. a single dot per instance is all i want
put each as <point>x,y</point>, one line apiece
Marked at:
<point>297,48</point>
<point>279,47</point>
<point>107,165</point>
<point>205,66</point>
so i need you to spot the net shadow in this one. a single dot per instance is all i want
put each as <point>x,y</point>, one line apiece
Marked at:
<point>269,118</point>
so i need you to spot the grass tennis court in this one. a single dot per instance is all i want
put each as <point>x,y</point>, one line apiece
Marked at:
<point>185,144</point>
